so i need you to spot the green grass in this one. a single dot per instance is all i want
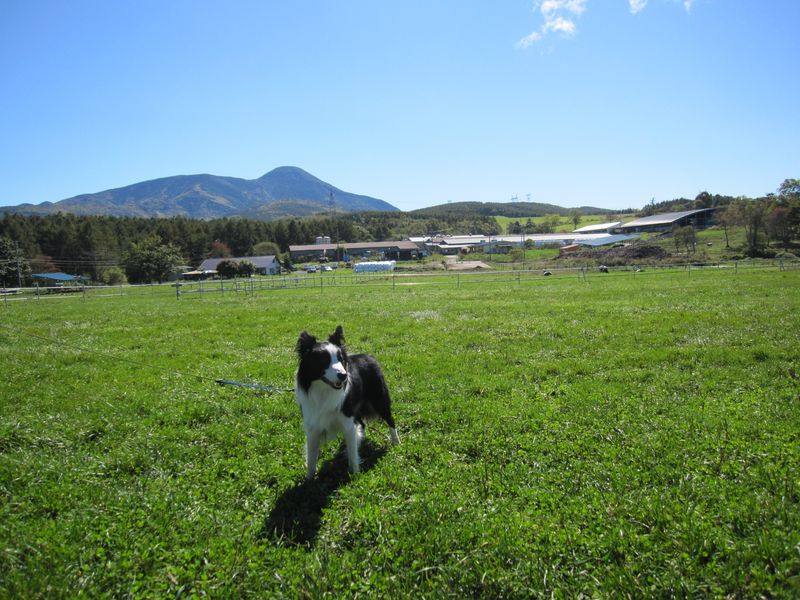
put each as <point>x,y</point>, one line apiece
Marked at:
<point>565,225</point>
<point>627,435</point>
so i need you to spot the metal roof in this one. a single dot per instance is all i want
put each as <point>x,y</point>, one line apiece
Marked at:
<point>399,245</point>
<point>664,218</point>
<point>261,262</point>
<point>59,276</point>
<point>598,227</point>
<point>605,241</point>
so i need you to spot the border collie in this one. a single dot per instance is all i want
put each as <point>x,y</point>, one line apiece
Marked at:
<point>337,393</point>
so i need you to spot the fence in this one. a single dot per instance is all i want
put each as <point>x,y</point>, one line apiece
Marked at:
<point>320,283</point>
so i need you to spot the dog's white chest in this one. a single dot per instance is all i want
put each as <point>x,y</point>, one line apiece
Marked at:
<point>322,409</point>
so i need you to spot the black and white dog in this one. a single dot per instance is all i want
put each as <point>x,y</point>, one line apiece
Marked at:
<point>337,393</point>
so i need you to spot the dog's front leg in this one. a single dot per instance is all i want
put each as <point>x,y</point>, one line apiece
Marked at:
<point>312,452</point>
<point>351,438</point>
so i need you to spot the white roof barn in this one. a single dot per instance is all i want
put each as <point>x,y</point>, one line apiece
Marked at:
<point>599,228</point>
<point>699,218</point>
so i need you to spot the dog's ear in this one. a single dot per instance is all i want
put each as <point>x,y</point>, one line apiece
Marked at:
<point>337,337</point>
<point>305,343</point>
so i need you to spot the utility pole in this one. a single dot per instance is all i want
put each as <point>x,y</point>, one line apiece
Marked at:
<point>19,265</point>
<point>332,205</point>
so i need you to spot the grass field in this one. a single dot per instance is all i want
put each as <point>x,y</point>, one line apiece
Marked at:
<point>565,224</point>
<point>613,436</point>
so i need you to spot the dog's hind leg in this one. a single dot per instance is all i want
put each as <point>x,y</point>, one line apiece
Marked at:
<point>385,412</point>
<point>395,437</point>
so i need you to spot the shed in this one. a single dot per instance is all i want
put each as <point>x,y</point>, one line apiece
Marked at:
<point>60,277</point>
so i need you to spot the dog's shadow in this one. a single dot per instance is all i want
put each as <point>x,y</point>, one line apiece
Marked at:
<point>297,515</point>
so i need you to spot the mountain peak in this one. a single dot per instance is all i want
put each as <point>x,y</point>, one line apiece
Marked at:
<point>283,192</point>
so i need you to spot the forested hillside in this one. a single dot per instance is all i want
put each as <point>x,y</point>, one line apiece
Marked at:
<point>86,244</point>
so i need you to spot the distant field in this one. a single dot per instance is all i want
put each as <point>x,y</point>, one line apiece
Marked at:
<point>609,436</point>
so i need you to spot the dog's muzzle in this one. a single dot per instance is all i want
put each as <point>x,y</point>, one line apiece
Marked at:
<point>337,385</point>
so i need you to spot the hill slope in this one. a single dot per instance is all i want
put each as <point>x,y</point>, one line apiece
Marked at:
<point>505,209</point>
<point>285,191</point>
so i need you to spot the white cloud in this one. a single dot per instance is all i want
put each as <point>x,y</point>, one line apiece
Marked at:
<point>565,26</point>
<point>557,16</point>
<point>529,40</point>
<point>637,5</point>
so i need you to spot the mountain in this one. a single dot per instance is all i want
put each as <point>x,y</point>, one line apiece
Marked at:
<point>505,209</point>
<point>285,191</point>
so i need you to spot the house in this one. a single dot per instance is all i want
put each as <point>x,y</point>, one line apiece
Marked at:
<point>265,265</point>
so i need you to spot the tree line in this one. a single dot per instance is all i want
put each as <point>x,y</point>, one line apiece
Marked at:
<point>107,247</point>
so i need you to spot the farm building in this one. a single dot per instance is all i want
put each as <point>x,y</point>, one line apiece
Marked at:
<point>374,266</point>
<point>606,240</point>
<point>265,265</point>
<point>501,244</point>
<point>599,228</point>
<point>59,278</point>
<point>699,219</point>
<point>392,250</point>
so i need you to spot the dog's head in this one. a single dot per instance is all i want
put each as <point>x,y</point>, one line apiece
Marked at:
<point>322,361</point>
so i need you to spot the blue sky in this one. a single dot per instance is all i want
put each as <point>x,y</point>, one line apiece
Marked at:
<point>606,103</point>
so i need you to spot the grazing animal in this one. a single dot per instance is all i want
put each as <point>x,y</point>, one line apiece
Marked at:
<point>603,269</point>
<point>337,393</point>
<point>547,273</point>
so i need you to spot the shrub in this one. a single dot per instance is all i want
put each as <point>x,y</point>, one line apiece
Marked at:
<point>246,268</point>
<point>227,269</point>
<point>113,276</point>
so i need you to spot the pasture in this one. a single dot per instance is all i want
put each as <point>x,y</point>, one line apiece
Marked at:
<point>609,436</point>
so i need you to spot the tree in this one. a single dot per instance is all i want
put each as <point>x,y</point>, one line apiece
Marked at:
<point>727,218</point>
<point>14,269</point>
<point>790,187</point>
<point>151,261</point>
<point>779,226</point>
<point>246,268</point>
<point>685,236</point>
<point>228,269</point>
<point>220,249</point>
<point>575,216</point>
<point>753,217</point>
<point>266,249</point>
<point>113,276</point>
<point>787,219</point>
